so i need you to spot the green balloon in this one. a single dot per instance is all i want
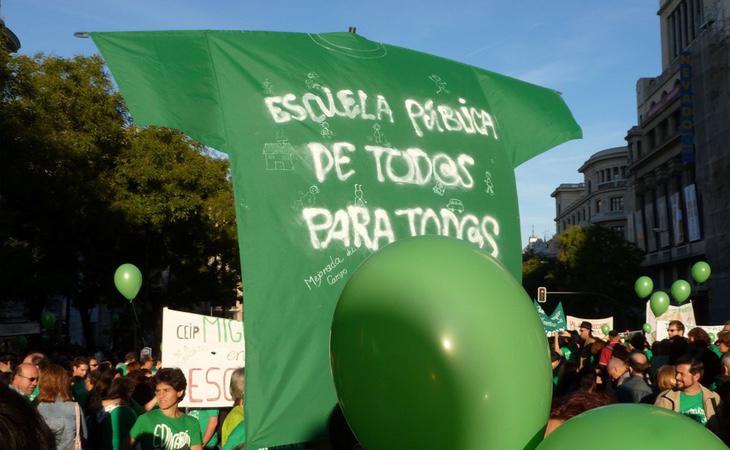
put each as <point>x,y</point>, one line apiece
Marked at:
<point>659,303</point>
<point>128,280</point>
<point>605,329</point>
<point>681,290</point>
<point>713,338</point>
<point>646,327</point>
<point>419,357</point>
<point>643,286</point>
<point>48,321</point>
<point>641,426</point>
<point>701,272</point>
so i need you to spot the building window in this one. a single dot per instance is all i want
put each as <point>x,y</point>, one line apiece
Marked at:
<point>598,206</point>
<point>589,186</point>
<point>638,149</point>
<point>617,204</point>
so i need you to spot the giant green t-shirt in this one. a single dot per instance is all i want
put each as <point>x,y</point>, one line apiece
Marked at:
<point>338,146</point>
<point>155,431</point>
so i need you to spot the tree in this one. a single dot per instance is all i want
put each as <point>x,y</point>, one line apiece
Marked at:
<point>81,191</point>
<point>597,262</point>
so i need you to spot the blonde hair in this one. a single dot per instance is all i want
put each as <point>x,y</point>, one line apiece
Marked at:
<point>237,385</point>
<point>665,377</point>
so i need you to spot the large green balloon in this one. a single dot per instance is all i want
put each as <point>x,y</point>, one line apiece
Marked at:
<point>646,327</point>
<point>701,272</point>
<point>659,303</point>
<point>681,290</point>
<point>643,286</point>
<point>634,426</point>
<point>421,357</point>
<point>128,280</point>
<point>605,329</point>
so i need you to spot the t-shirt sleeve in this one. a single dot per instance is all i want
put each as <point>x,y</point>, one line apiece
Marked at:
<point>168,80</point>
<point>531,119</point>
<point>194,429</point>
<point>139,427</point>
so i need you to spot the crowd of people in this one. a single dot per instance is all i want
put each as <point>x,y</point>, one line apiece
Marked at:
<point>687,373</point>
<point>90,403</point>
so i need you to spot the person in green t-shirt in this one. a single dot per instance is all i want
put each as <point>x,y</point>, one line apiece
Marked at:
<point>116,419</point>
<point>167,428</point>
<point>208,419</point>
<point>79,373</point>
<point>690,397</point>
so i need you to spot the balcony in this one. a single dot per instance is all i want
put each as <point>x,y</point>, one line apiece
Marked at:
<point>613,184</point>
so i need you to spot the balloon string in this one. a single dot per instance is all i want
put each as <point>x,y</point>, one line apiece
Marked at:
<point>136,321</point>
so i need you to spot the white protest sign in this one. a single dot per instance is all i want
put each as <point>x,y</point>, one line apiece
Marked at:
<point>684,313</point>
<point>574,324</point>
<point>207,349</point>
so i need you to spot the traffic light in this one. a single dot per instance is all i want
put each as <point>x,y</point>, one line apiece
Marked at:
<point>542,294</point>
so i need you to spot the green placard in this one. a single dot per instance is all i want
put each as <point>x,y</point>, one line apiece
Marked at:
<point>338,146</point>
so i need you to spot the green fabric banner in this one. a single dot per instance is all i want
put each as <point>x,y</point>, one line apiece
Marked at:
<point>338,146</point>
<point>555,321</point>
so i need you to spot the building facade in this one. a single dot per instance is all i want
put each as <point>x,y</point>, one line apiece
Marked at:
<point>599,200</point>
<point>679,154</point>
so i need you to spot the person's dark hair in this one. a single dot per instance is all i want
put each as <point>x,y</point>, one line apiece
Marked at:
<point>340,434</point>
<point>79,361</point>
<point>620,352</point>
<point>699,337</point>
<point>102,381</point>
<point>579,402</point>
<point>120,388</point>
<point>612,334</point>
<point>144,359</point>
<point>695,365</point>
<point>173,377</point>
<point>131,356</point>
<point>678,346</point>
<point>21,426</point>
<point>104,365</point>
<point>676,323</point>
<point>638,341</point>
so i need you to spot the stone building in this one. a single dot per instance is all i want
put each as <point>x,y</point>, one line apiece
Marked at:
<point>599,200</point>
<point>679,153</point>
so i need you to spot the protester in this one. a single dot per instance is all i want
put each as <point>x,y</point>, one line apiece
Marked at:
<point>208,420</point>
<point>167,424</point>
<point>675,328</point>
<point>585,331</point>
<point>723,341</point>
<point>666,378</point>
<point>25,379</point>
<point>235,416</point>
<point>61,413</point>
<point>635,388</point>
<point>699,344</point>
<point>573,405</point>
<point>93,364</point>
<point>607,351</point>
<point>618,370</point>
<point>79,373</point>
<point>114,421</point>
<point>690,397</point>
<point>21,427</point>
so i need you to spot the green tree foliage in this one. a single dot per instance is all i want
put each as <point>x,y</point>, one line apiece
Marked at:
<point>82,191</point>
<point>595,261</point>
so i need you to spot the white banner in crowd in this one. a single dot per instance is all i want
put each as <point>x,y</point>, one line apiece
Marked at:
<point>684,313</point>
<point>574,324</point>
<point>207,349</point>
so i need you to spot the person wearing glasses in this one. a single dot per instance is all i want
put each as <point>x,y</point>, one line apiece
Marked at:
<point>25,379</point>
<point>675,328</point>
<point>93,364</point>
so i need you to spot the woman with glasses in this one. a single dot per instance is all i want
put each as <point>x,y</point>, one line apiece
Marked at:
<point>62,415</point>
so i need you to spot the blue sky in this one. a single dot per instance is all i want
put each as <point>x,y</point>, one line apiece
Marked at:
<point>591,51</point>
